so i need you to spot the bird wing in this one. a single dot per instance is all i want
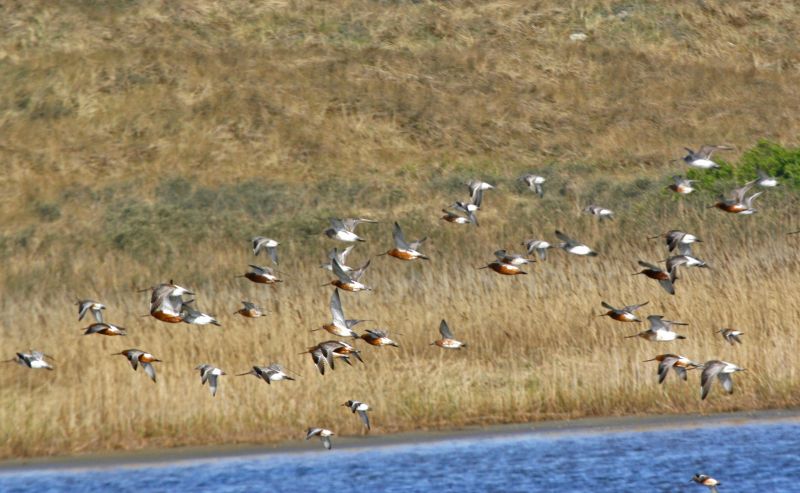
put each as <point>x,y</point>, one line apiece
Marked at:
<point>566,239</point>
<point>476,197</point>
<point>444,330</point>
<point>273,254</point>
<point>648,265</point>
<point>399,240</point>
<point>336,310</point>
<point>326,442</point>
<point>83,307</point>
<point>726,381</point>
<point>681,372</point>
<point>416,244</point>
<point>712,369</point>
<point>606,305</point>
<point>337,270</point>
<point>668,286</point>
<point>258,243</point>
<point>633,308</point>
<point>360,272</point>
<point>212,384</point>
<point>150,370</point>
<point>664,366</point>
<point>364,418</point>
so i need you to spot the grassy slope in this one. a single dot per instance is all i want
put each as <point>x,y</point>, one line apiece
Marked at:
<point>142,141</point>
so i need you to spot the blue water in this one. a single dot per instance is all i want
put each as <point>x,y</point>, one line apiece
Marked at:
<point>746,458</point>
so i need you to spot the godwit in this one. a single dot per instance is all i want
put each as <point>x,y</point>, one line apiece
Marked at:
<point>731,336</point>
<point>447,341</point>
<point>468,218</point>
<point>624,314</point>
<point>476,188</point>
<point>538,246</point>
<point>686,260</point>
<point>340,326</point>
<point>512,258</point>
<point>504,268</point>
<point>325,352</point>
<point>344,229</point>
<point>405,250</point>
<point>361,408</point>
<point>323,434</point>
<point>706,480</point>
<point>85,306</point>
<point>34,360</point>
<point>376,337</point>
<point>349,282</point>
<point>764,180</point>
<point>250,310</point>
<point>660,330</point>
<point>674,238</point>
<point>272,373</point>
<point>196,317</point>
<point>534,182</point>
<point>105,329</point>
<point>137,357</point>
<point>681,185</point>
<point>166,302</point>
<point>737,203</point>
<point>341,257</point>
<point>720,369</point>
<point>598,211</point>
<point>261,275</point>
<point>209,373</point>
<point>271,246</point>
<point>574,247</point>
<point>663,277</point>
<point>702,158</point>
<point>677,362</point>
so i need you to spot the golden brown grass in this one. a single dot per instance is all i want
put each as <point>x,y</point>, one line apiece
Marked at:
<point>148,141</point>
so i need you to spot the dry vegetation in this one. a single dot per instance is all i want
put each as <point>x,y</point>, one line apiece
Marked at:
<point>142,141</point>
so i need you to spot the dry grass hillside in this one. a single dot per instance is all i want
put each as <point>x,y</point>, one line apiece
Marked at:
<point>143,141</point>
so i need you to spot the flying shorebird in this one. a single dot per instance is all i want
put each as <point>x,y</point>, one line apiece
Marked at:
<point>137,357</point>
<point>196,317</point>
<point>475,199</point>
<point>344,229</point>
<point>706,480</point>
<point>469,217</point>
<point>764,180</point>
<point>349,281</point>
<point>600,212</point>
<point>166,302</point>
<point>624,314</point>
<point>674,238</point>
<point>731,336</point>
<point>538,246</point>
<point>720,369</point>
<point>512,258</point>
<point>361,408</point>
<point>34,360</point>
<point>323,434</point>
<point>574,247</point>
<point>271,246</point>
<point>85,306</point>
<point>534,182</point>
<point>737,203</point>
<point>341,257</point>
<point>685,259</point>
<point>325,353</point>
<point>272,373</point>
<point>447,341</point>
<point>682,185</point>
<point>376,337</point>
<point>660,330</point>
<point>663,277</point>
<point>250,310</point>
<point>261,275</point>
<point>209,373</point>
<point>677,362</point>
<point>105,329</point>
<point>477,187</point>
<point>405,250</point>
<point>339,326</point>
<point>702,158</point>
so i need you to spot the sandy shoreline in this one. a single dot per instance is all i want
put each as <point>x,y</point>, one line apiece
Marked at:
<point>161,456</point>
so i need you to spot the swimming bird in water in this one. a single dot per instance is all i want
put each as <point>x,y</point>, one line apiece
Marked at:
<point>405,250</point>
<point>272,373</point>
<point>538,246</point>
<point>447,341</point>
<point>85,306</point>
<point>624,314</point>
<point>105,329</point>
<point>720,369</point>
<point>271,246</point>
<point>663,277</point>
<point>600,212</point>
<point>138,357</point>
<point>210,374</point>
<point>731,336</point>
<point>323,434</point>
<point>534,182</point>
<point>344,229</point>
<point>340,256</point>
<point>196,317</point>
<point>261,275</point>
<point>708,481</point>
<point>702,158</point>
<point>166,302</point>
<point>349,281</point>
<point>339,326</point>
<point>660,330</point>
<point>34,360</point>
<point>250,310</point>
<point>677,362</point>
<point>376,337</point>
<point>675,238</point>
<point>574,247</point>
<point>361,408</point>
<point>681,185</point>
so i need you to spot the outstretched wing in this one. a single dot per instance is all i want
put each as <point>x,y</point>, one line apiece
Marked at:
<point>445,330</point>
<point>399,240</point>
<point>364,418</point>
<point>336,310</point>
